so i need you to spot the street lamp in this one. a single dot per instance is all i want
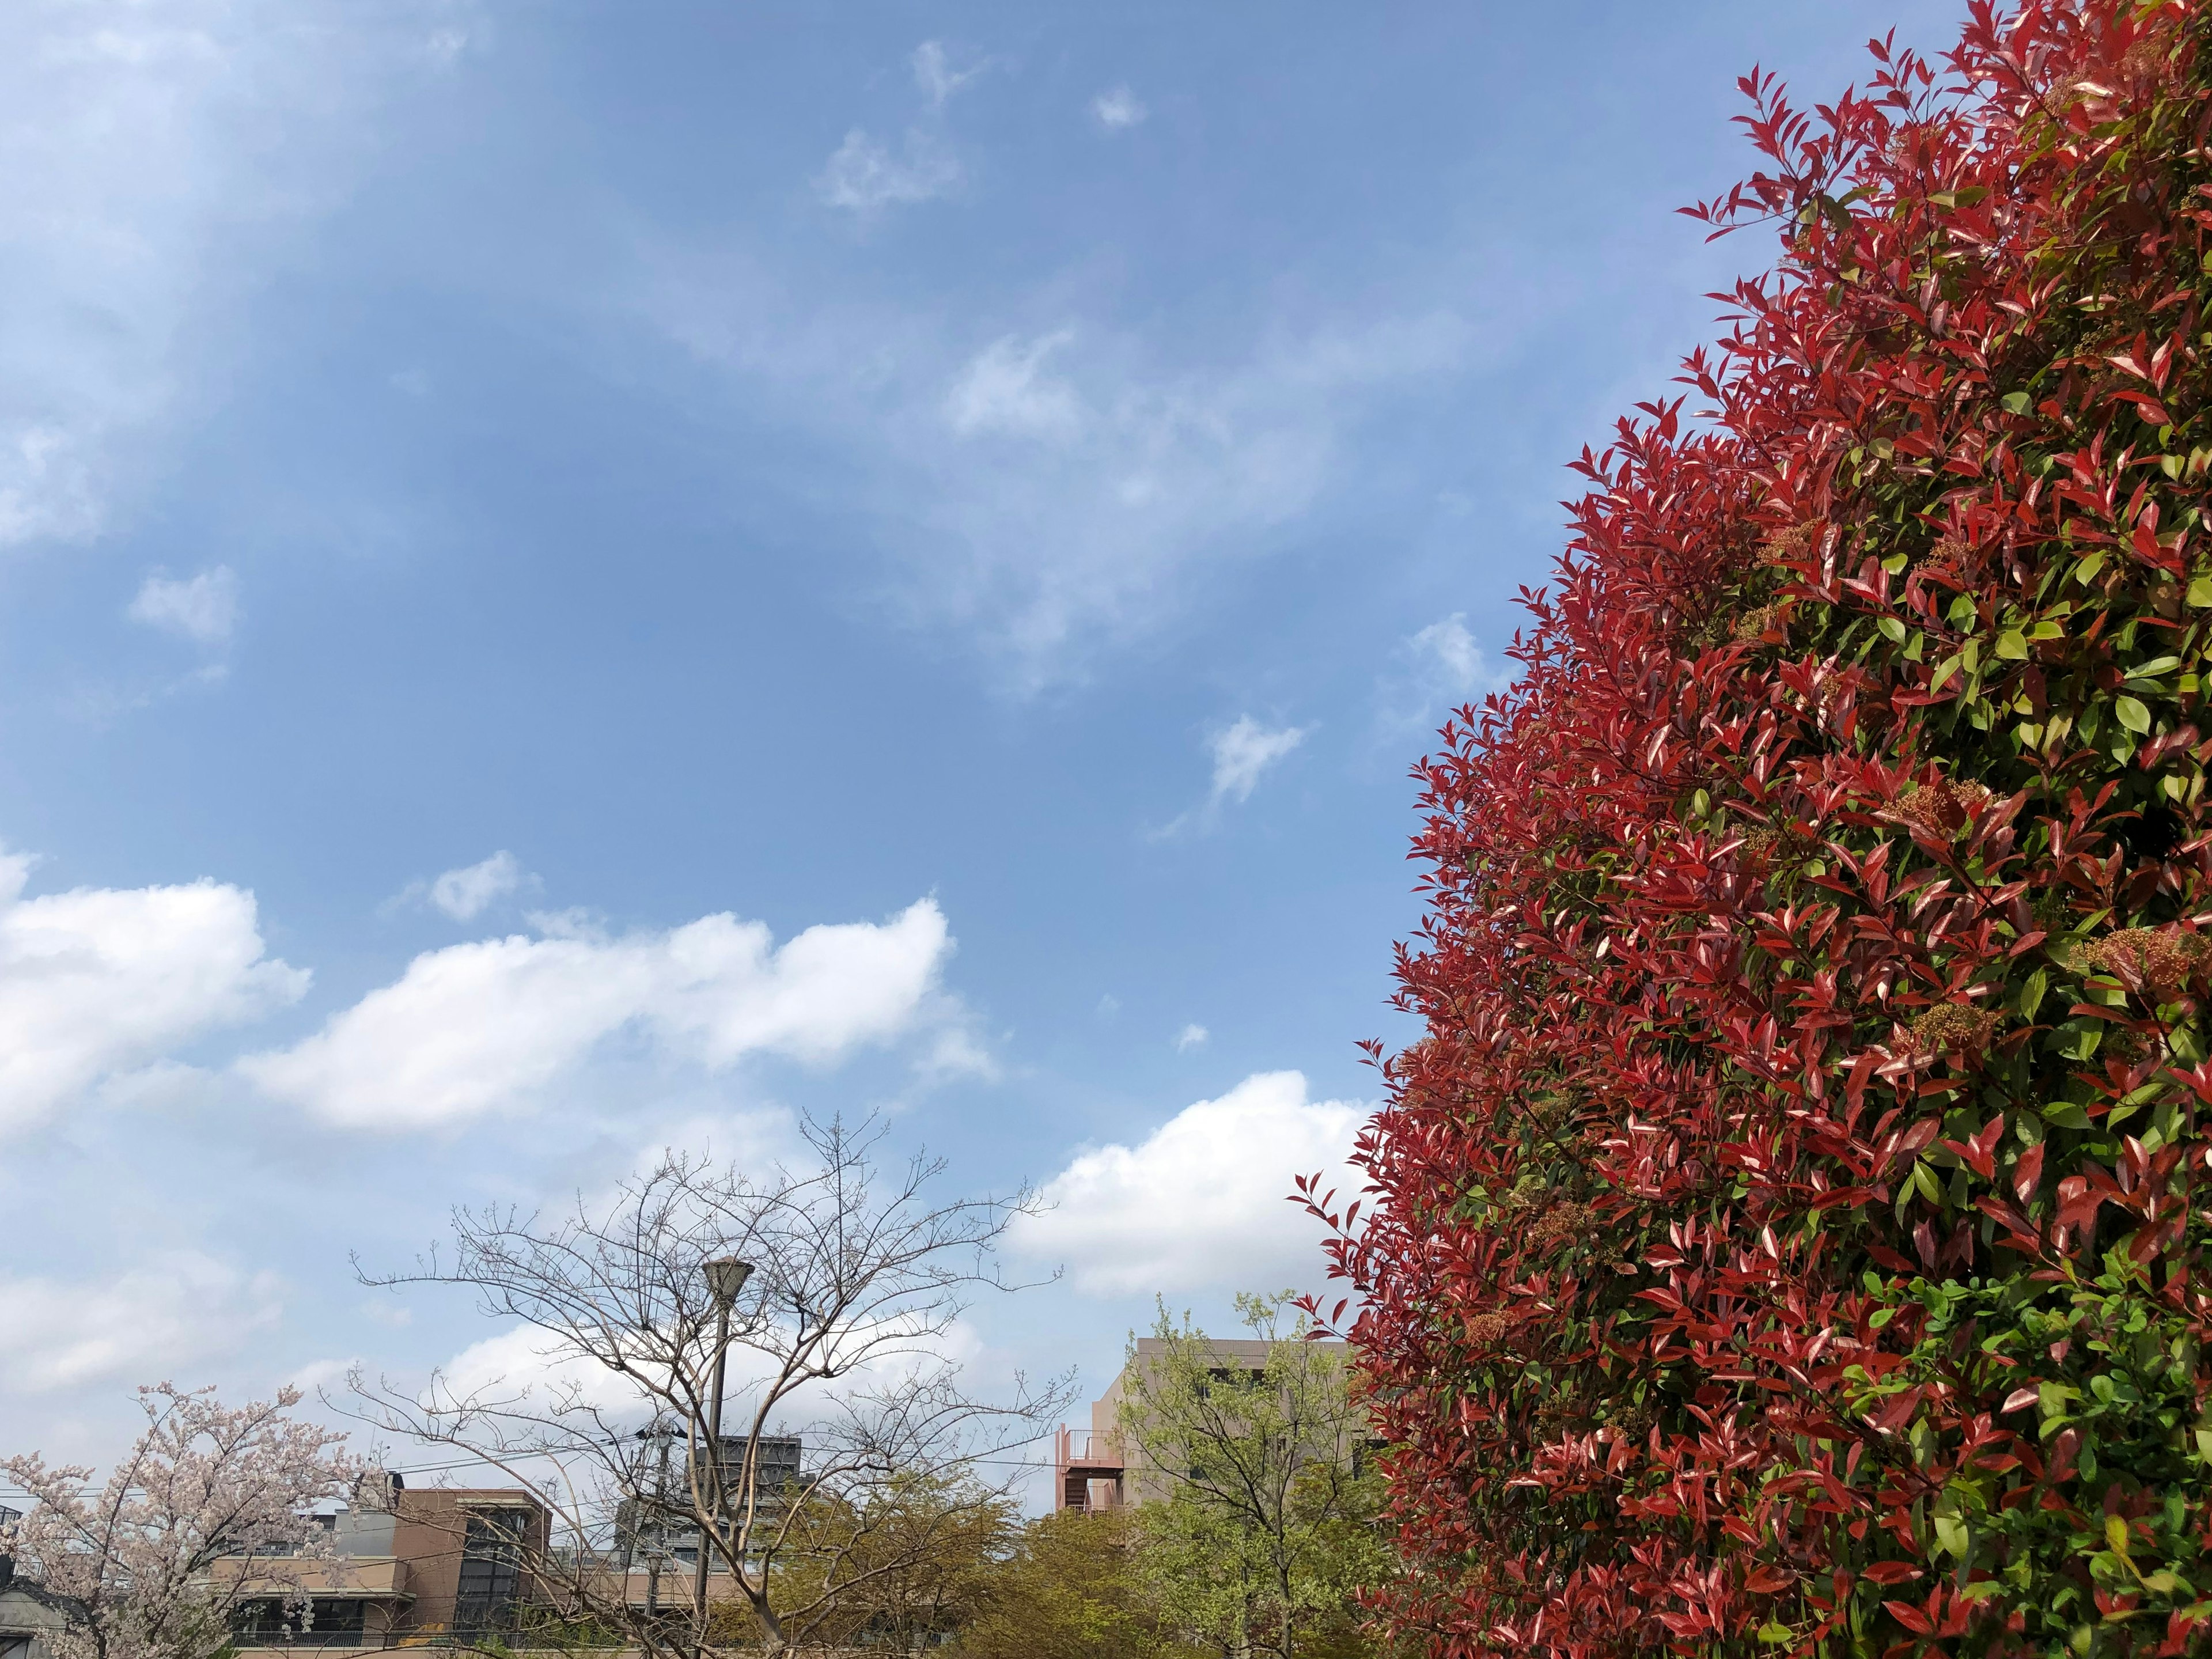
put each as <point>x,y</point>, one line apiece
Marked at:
<point>726,1277</point>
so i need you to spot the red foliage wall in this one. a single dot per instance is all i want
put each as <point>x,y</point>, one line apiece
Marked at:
<point>1787,1237</point>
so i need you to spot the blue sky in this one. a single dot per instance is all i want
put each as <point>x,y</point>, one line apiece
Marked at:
<point>513,515</point>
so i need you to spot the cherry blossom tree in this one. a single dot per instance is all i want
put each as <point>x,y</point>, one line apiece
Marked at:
<point>211,1507</point>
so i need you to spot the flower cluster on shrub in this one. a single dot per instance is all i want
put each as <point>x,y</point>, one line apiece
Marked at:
<point>1786,1237</point>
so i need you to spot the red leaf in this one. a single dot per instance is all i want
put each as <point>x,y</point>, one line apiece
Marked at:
<point>1908,1616</point>
<point>2028,1173</point>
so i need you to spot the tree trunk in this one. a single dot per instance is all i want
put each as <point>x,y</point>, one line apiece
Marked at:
<point>773,1640</point>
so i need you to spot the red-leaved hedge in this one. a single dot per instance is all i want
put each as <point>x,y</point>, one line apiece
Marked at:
<point>1784,1238</point>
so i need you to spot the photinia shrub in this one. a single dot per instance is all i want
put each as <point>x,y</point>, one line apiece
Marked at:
<point>1786,1237</point>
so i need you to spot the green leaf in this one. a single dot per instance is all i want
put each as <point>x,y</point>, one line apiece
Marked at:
<point>2200,592</point>
<point>1951,1536</point>
<point>1775,1634</point>
<point>1894,630</point>
<point>2014,644</point>
<point>2018,403</point>
<point>1944,670</point>
<point>2031,992</point>
<point>2154,668</point>
<point>2132,714</point>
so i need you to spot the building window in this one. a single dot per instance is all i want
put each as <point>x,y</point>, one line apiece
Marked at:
<point>491,1569</point>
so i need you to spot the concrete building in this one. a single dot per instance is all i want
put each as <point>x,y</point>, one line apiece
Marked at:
<point>405,1568</point>
<point>649,1530</point>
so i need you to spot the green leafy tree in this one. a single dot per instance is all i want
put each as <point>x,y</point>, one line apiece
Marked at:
<point>899,1569</point>
<point>1068,1589</point>
<point>1257,1523</point>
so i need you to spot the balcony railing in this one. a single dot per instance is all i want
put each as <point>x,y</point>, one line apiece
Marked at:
<point>1087,1470</point>
<point>369,1577</point>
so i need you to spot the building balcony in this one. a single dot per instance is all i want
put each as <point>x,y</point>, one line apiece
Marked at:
<point>352,1577</point>
<point>1088,1471</point>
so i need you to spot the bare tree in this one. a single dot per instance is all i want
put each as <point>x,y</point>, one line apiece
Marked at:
<point>211,1509</point>
<point>839,1337</point>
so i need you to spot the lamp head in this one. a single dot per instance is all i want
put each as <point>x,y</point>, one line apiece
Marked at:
<point>726,1277</point>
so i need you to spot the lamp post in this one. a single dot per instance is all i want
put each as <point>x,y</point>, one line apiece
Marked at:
<point>726,1277</point>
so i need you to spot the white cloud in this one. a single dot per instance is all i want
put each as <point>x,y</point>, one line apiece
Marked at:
<point>202,608</point>
<point>318,1375</point>
<point>153,152</point>
<point>135,1327</point>
<point>97,980</point>
<point>384,1310</point>
<point>1004,389</point>
<point>444,48</point>
<point>1438,666</point>
<point>1137,480</point>
<point>1452,649</point>
<point>934,74</point>
<point>862,176</point>
<point>1117,108</point>
<point>465,894</point>
<point>1140,472</point>
<point>1243,751</point>
<point>488,1025</point>
<point>1202,1202</point>
<point>1193,1036</point>
<point>526,1358</point>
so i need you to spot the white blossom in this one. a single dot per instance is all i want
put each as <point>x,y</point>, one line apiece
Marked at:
<point>213,1506</point>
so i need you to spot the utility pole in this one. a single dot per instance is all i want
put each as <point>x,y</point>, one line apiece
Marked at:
<point>655,1509</point>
